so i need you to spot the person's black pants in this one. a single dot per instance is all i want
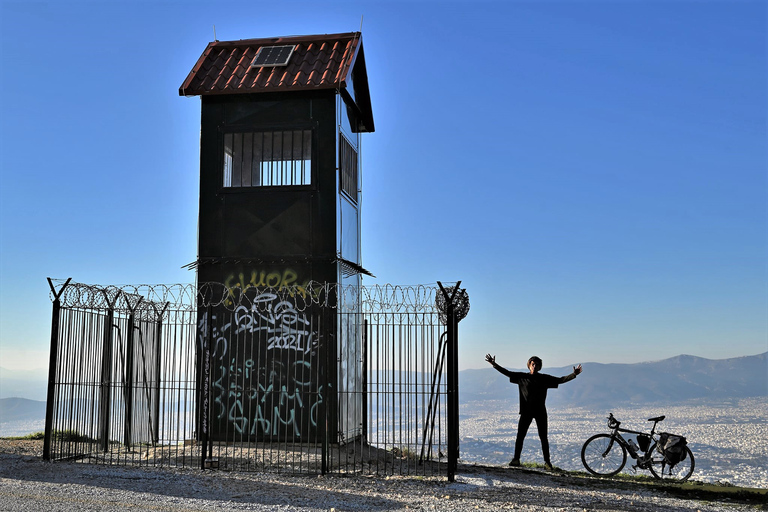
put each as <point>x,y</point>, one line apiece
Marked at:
<point>522,430</point>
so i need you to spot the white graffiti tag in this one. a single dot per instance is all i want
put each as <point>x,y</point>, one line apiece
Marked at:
<point>284,326</point>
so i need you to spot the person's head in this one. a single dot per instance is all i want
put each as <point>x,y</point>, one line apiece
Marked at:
<point>534,364</point>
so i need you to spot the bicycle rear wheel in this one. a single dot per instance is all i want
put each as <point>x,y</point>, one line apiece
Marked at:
<point>680,472</point>
<point>603,456</point>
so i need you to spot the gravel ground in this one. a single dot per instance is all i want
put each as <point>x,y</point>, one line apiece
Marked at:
<point>27,483</point>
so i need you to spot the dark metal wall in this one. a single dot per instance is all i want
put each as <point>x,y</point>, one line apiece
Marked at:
<point>269,357</point>
<point>275,237</point>
<point>289,230</point>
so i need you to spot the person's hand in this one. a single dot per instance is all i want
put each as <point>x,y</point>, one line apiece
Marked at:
<point>577,369</point>
<point>491,359</point>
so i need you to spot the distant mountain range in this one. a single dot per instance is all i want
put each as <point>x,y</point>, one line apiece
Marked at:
<point>671,380</point>
<point>21,409</point>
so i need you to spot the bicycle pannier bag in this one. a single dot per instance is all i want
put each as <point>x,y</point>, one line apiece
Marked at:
<point>643,440</point>
<point>672,447</point>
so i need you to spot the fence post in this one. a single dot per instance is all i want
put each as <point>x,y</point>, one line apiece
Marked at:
<point>452,390</point>
<point>52,364</point>
<point>105,392</point>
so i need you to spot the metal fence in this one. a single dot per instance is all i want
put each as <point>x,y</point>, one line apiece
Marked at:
<point>315,379</point>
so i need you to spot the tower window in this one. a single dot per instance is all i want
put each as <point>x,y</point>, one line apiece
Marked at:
<point>267,159</point>
<point>348,168</point>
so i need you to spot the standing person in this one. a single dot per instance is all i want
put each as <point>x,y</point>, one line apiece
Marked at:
<point>533,396</point>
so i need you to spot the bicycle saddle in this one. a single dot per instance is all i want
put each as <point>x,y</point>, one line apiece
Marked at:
<point>658,418</point>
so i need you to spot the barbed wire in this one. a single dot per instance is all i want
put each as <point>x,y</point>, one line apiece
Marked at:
<point>123,297</point>
<point>153,299</point>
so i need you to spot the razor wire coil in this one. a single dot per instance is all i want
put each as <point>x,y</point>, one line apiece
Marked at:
<point>151,300</point>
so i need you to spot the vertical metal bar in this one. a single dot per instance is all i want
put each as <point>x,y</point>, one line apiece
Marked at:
<point>67,338</point>
<point>381,397</point>
<point>55,316</point>
<point>429,421</point>
<point>158,371</point>
<point>364,384</point>
<point>105,403</point>
<point>326,374</point>
<point>391,360</point>
<point>205,423</point>
<point>400,375</point>
<point>128,384</point>
<point>144,382</point>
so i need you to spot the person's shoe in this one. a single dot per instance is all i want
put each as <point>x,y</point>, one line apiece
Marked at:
<point>514,462</point>
<point>549,466</point>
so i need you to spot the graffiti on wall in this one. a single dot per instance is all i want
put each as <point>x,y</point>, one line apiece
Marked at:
<point>272,319</point>
<point>276,279</point>
<point>265,367</point>
<point>277,403</point>
<point>286,279</point>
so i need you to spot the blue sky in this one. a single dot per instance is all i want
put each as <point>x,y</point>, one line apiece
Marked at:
<point>595,173</point>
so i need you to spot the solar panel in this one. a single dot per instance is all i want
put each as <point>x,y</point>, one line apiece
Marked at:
<point>272,56</point>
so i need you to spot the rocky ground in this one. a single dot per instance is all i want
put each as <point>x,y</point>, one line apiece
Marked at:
<point>27,483</point>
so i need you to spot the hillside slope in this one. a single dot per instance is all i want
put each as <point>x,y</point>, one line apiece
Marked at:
<point>21,409</point>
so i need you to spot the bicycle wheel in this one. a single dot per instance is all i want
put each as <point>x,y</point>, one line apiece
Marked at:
<point>603,456</point>
<point>680,472</point>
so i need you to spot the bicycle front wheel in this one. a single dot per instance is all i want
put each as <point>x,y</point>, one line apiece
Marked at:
<point>679,472</point>
<point>602,455</point>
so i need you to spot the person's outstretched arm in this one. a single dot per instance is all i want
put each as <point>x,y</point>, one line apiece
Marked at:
<point>576,371</point>
<point>492,359</point>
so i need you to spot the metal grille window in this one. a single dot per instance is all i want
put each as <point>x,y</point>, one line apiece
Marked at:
<point>348,168</point>
<point>267,159</point>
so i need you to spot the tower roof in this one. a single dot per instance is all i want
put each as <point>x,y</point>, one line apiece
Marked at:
<point>317,62</point>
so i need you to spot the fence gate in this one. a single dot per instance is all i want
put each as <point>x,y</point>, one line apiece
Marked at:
<point>314,379</point>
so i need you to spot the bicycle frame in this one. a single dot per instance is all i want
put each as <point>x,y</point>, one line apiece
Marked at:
<point>616,431</point>
<point>605,454</point>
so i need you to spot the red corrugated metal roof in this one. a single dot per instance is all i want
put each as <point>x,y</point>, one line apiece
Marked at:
<point>318,62</point>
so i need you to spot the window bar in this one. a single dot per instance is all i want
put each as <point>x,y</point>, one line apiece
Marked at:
<point>286,157</point>
<point>237,159</point>
<point>268,158</point>
<point>277,140</point>
<point>247,159</point>
<point>296,159</point>
<point>306,161</point>
<point>258,159</point>
<point>227,164</point>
